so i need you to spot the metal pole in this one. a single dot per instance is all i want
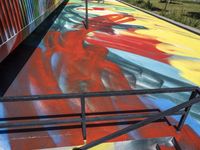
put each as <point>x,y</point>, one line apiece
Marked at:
<point>187,109</point>
<point>83,116</point>
<point>86,14</point>
<point>95,94</point>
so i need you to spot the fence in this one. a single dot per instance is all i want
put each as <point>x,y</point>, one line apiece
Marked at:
<point>182,109</point>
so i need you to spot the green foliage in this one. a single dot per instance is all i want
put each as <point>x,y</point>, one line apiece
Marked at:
<point>148,5</point>
<point>143,4</point>
<point>180,11</point>
<point>140,1</point>
<point>181,17</point>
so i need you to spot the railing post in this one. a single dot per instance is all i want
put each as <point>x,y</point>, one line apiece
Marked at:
<point>86,14</point>
<point>187,110</point>
<point>175,143</point>
<point>83,116</point>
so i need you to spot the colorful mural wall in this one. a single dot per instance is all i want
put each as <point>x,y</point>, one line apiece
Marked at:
<point>17,15</point>
<point>123,49</point>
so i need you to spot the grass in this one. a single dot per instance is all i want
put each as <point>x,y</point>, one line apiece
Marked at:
<point>186,12</point>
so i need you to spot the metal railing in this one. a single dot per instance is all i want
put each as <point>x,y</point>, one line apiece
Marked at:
<point>172,111</point>
<point>152,115</point>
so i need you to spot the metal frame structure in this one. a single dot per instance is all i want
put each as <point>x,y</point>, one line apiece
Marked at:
<point>186,106</point>
<point>153,115</point>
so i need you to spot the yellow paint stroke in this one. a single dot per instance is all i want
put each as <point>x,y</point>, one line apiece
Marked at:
<point>183,45</point>
<point>190,69</point>
<point>104,146</point>
<point>174,40</point>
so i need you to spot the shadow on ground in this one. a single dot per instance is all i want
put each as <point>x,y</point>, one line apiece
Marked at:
<point>14,62</point>
<point>195,15</point>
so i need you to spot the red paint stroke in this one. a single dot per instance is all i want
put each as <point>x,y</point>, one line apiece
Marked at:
<point>85,67</point>
<point>98,8</point>
<point>92,8</point>
<point>133,44</point>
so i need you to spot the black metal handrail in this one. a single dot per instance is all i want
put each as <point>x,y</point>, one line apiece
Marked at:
<point>83,119</point>
<point>97,94</point>
<point>186,105</point>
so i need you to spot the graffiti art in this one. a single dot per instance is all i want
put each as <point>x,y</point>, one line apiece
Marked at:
<point>124,48</point>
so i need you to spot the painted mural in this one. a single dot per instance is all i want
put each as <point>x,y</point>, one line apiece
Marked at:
<point>17,15</point>
<point>123,49</point>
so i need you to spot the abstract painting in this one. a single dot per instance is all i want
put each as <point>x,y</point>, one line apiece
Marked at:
<point>124,48</point>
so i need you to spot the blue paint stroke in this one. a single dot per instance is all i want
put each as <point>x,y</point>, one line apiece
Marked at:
<point>147,63</point>
<point>165,104</point>
<point>41,109</point>
<point>4,139</point>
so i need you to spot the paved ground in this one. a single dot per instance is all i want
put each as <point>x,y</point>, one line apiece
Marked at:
<point>123,49</point>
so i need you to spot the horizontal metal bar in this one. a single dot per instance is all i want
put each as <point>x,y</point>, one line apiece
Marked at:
<point>76,114</point>
<point>39,123</point>
<point>96,94</point>
<point>78,120</point>
<point>118,117</point>
<point>127,116</point>
<point>57,116</point>
<point>141,123</point>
